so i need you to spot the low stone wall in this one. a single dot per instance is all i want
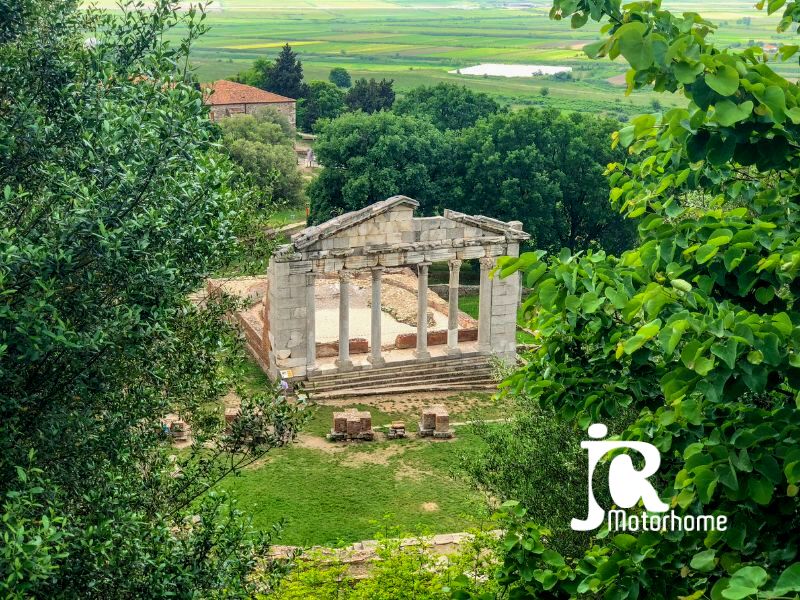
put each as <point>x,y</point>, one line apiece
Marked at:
<point>253,338</point>
<point>328,349</point>
<point>443,290</point>
<point>359,557</point>
<point>435,338</point>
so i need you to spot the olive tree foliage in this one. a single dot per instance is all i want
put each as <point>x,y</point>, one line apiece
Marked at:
<point>117,202</point>
<point>262,144</point>
<point>696,328</point>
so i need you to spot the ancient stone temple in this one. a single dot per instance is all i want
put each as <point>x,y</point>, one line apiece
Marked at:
<point>351,297</point>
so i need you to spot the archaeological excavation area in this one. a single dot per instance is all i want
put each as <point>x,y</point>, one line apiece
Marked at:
<point>370,316</point>
<point>338,307</point>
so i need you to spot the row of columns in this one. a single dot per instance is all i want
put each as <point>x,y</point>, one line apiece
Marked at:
<point>421,352</point>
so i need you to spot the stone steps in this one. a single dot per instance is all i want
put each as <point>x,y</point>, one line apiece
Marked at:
<point>474,375</point>
<point>418,389</point>
<point>482,377</point>
<point>455,374</point>
<point>433,365</point>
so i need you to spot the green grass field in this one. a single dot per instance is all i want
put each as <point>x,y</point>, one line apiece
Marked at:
<point>417,42</point>
<point>331,494</point>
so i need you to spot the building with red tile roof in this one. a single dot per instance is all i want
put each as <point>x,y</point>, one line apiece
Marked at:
<point>230,98</point>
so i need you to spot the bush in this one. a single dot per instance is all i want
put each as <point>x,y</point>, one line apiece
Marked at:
<point>397,572</point>
<point>260,127</point>
<point>261,145</point>
<point>272,168</point>
<point>537,460</point>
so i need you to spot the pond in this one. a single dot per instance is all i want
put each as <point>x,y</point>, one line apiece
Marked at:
<point>501,70</point>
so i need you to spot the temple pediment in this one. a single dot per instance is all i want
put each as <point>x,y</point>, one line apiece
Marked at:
<point>390,225</point>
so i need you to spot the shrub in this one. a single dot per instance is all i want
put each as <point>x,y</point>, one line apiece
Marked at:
<point>261,145</point>
<point>398,571</point>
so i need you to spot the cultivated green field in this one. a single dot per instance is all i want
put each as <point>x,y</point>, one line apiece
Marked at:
<point>417,42</point>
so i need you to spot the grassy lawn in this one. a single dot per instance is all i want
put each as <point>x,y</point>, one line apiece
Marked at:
<point>331,497</point>
<point>334,493</point>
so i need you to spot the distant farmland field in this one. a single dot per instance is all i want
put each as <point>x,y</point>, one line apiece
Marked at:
<point>417,42</point>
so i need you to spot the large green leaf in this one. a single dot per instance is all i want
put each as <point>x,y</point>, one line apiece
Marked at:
<point>728,113</point>
<point>727,351</point>
<point>704,561</point>
<point>706,253</point>
<point>635,45</point>
<point>760,490</point>
<point>724,81</point>
<point>789,581</point>
<point>745,582</point>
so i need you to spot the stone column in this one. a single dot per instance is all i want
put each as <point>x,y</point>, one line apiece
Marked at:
<point>344,362</point>
<point>452,316</point>
<point>375,356</point>
<point>422,313</point>
<point>311,323</point>
<point>485,306</point>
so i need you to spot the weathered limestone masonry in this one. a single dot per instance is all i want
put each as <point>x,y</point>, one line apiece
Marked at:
<point>387,234</point>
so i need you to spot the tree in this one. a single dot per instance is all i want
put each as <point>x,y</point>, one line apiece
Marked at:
<point>258,76</point>
<point>116,205</point>
<point>372,157</point>
<point>260,145</point>
<point>285,77</point>
<point>696,329</point>
<point>546,170</point>
<point>323,101</point>
<point>272,167</point>
<point>371,96</point>
<point>340,77</point>
<point>447,106</point>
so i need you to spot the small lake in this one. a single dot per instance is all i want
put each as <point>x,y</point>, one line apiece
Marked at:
<point>500,70</point>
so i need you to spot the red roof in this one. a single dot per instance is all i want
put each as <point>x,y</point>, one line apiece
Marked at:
<point>230,92</point>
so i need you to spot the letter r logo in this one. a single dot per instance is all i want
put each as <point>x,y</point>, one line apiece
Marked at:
<point>627,485</point>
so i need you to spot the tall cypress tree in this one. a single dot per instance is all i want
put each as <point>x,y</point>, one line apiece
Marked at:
<point>286,76</point>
